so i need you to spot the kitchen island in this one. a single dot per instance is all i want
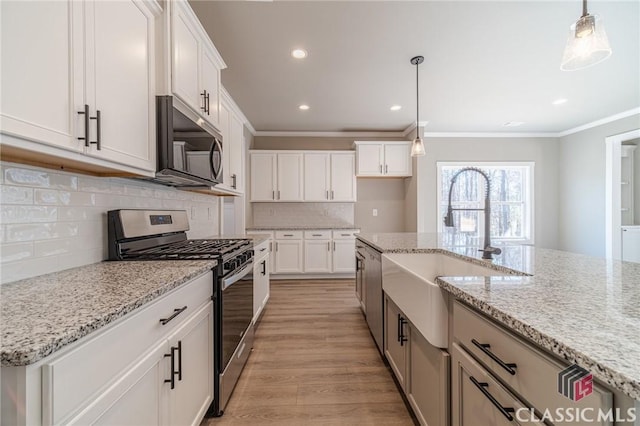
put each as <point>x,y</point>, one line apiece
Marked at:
<point>581,309</point>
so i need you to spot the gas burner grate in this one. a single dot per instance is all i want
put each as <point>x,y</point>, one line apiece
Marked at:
<point>189,250</point>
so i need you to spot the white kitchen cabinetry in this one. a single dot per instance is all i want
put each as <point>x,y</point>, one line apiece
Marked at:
<point>317,252</point>
<point>276,177</point>
<point>422,370</point>
<point>329,176</point>
<point>97,96</point>
<point>344,249</point>
<point>383,159</point>
<point>130,366</point>
<point>196,64</point>
<point>232,130</point>
<point>261,280</point>
<point>288,252</point>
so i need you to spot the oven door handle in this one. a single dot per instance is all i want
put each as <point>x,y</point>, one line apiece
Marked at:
<point>229,281</point>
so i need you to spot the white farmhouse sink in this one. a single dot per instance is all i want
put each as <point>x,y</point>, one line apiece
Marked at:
<point>409,279</point>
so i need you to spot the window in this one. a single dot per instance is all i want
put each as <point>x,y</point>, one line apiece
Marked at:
<point>511,202</point>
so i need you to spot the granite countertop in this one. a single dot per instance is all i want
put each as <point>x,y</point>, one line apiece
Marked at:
<point>299,227</point>
<point>257,238</point>
<point>583,309</point>
<point>40,315</point>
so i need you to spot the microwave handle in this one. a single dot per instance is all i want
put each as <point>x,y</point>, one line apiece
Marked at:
<point>216,147</point>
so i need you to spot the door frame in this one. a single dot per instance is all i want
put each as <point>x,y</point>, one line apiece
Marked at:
<point>613,195</point>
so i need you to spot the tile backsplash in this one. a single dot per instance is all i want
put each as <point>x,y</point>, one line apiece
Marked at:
<point>54,220</point>
<point>303,214</point>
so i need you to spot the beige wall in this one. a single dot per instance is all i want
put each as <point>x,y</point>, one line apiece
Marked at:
<point>581,181</point>
<point>542,151</point>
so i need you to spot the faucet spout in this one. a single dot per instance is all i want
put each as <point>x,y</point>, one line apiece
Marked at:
<point>487,250</point>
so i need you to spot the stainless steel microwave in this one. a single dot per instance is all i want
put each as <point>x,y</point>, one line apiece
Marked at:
<point>189,155</point>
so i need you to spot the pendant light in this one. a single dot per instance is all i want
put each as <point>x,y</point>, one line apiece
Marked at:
<point>587,44</point>
<point>417,148</point>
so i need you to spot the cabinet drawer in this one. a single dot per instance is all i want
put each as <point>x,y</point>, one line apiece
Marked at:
<point>344,234</point>
<point>317,235</point>
<point>82,372</point>
<point>535,375</point>
<point>261,250</point>
<point>288,235</point>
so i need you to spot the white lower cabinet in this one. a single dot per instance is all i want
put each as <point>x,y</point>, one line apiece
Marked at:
<point>288,256</point>
<point>422,370</point>
<point>153,366</point>
<point>261,280</point>
<point>317,252</point>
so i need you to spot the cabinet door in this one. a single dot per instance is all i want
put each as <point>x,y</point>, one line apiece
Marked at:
<point>185,62</point>
<point>121,82</point>
<point>343,177</point>
<point>42,71</point>
<point>397,159</point>
<point>344,256</point>
<point>136,399</point>
<point>316,177</point>
<point>370,156</point>
<point>263,177</point>
<point>236,153</point>
<point>290,186</point>
<point>469,405</point>
<point>395,345</point>
<point>193,391</point>
<point>261,285</point>
<point>210,82</point>
<point>288,256</point>
<point>317,256</point>
<point>225,130</point>
<point>428,384</point>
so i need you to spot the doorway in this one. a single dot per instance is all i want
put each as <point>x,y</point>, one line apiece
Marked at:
<point>622,195</point>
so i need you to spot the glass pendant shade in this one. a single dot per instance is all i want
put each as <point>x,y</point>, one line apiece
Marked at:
<point>417,148</point>
<point>587,44</point>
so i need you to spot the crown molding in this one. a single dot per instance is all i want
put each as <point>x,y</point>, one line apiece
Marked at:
<point>600,122</point>
<point>332,134</point>
<point>489,135</point>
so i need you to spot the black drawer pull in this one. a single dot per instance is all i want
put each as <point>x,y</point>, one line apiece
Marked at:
<point>288,235</point>
<point>506,411</point>
<point>403,338</point>
<point>316,235</point>
<point>176,312</point>
<point>484,347</point>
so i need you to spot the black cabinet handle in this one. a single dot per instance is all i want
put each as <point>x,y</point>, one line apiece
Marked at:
<point>172,380</point>
<point>234,177</point>
<point>86,125</point>
<point>204,101</point>
<point>403,338</point>
<point>208,105</point>
<point>180,360</point>
<point>176,312</point>
<point>484,347</point>
<point>506,411</point>
<point>98,119</point>
<point>399,331</point>
<point>264,267</point>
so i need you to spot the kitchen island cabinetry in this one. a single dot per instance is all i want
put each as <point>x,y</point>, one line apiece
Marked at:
<point>152,366</point>
<point>89,72</point>
<point>261,278</point>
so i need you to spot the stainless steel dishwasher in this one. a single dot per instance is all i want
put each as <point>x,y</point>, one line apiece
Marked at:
<point>371,263</point>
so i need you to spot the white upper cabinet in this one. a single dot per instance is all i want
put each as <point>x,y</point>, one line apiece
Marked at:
<point>80,75</point>
<point>390,159</point>
<point>196,64</point>
<point>329,176</point>
<point>235,144</point>
<point>290,185</point>
<point>263,176</point>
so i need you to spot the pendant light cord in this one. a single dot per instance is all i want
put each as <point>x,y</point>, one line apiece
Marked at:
<point>584,8</point>
<point>418,100</point>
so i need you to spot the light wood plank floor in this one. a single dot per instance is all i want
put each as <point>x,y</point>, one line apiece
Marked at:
<point>314,363</point>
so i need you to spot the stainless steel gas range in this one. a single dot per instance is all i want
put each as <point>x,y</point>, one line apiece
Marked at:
<point>161,235</point>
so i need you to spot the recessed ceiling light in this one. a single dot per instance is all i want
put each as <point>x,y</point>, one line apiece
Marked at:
<point>299,53</point>
<point>304,107</point>
<point>396,108</point>
<point>559,101</point>
<point>513,123</point>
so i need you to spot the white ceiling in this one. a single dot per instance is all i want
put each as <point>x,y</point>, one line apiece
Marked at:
<point>486,63</point>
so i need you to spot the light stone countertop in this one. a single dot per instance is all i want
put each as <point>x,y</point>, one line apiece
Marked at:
<point>583,309</point>
<point>298,228</point>
<point>40,315</point>
<point>257,238</point>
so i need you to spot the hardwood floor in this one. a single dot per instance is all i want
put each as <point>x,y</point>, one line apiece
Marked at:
<point>314,363</point>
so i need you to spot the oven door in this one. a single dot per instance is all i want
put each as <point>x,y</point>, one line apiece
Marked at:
<point>237,310</point>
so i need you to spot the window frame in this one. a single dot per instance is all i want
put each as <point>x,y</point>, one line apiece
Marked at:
<point>528,202</point>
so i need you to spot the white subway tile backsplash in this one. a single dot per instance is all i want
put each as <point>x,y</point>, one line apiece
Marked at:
<point>16,195</point>
<point>27,214</point>
<point>54,220</point>
<point>303,214</point>
<point>15,252</point>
